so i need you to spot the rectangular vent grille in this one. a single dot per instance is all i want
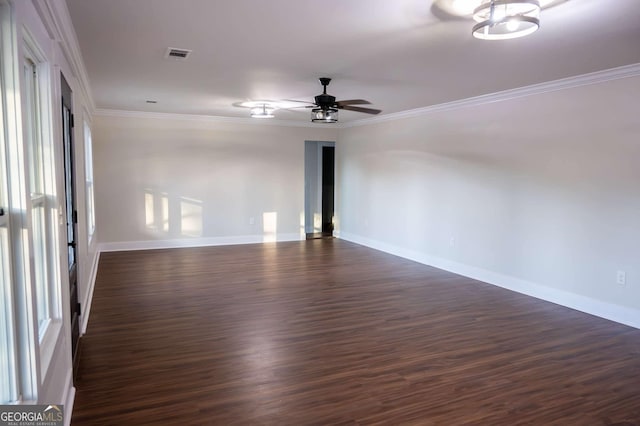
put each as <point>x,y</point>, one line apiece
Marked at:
<point>180,54</point>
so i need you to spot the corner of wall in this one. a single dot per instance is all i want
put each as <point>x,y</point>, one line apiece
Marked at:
<point>89,298</point>
<point>609,311</point>
<point>69,398</point>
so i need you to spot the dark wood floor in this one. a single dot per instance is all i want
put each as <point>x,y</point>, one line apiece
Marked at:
<point>327,332</point>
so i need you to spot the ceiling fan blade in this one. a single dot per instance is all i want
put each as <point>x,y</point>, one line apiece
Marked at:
<point>296,101</point>
<point>293,103</point>
<point>360,109</point>
<point>353,102</point>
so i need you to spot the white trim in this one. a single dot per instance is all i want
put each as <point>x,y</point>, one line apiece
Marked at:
<point>202,118</point>
<point>193,242</point>
<point>625,71</point>
<point>69,397</point>
<point>610,311</point>
<point>56,18</point>
<point>86,304</point>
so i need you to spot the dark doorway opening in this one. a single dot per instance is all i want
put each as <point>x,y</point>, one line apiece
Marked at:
<point>319,189</point>
<point>328,169</point>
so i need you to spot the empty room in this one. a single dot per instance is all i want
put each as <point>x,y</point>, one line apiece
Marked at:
<point>419,212</point>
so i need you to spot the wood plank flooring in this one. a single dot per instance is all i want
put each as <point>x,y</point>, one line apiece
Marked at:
<point>325,332</point>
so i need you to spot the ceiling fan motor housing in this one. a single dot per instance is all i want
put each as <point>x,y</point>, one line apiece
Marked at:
<point>325,101</point>
<point>326,107</point>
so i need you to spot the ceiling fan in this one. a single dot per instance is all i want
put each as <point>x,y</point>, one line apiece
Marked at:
<point>325,108</point>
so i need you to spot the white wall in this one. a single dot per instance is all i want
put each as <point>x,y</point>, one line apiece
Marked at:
<point>87,244</point>
<point>218,179</point>
<point>540,194</point>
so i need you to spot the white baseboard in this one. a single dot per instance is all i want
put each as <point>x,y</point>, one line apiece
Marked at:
<point>610,311</point>
<point>86,304</point>
<point>196,242</point>
<point>69,398</point>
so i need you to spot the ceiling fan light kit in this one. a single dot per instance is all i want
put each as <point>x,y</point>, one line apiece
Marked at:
<point>321,115</point>
<point>325,108</point>
<point>506,19</point>
<point>262,111</point>
<point>260,108</point>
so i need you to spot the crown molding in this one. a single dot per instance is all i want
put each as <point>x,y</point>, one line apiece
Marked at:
<point>57,20</point>
<point>203,118</point>
<point>626,71</point>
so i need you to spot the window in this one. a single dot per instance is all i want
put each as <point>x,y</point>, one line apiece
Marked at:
<point>8,361</point>
<point>88,171</point>
<point>30,291</point>
<point>43,233</point>
<point>38,198</point>
<point>7,328</point>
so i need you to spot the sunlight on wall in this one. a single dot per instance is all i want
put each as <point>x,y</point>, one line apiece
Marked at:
<point>191,217</point>
<point>158,209</point>
<point>269,226</point>
<point>164,206</point>
<point>149,213</point>
<point>317,222</point>
<point>154,205</point>
<point>303,233</point>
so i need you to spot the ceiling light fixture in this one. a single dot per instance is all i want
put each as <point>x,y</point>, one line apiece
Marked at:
<point>261,108</point>
<point>505,19</point>
<point>263,111</point>
<point>324,115</point>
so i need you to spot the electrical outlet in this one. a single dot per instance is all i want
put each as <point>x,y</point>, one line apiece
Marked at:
<point>621,278</point>
<point>452,241</point>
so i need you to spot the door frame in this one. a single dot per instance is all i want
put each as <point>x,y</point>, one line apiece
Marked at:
<point>313,187</point>
<point>71,210</point>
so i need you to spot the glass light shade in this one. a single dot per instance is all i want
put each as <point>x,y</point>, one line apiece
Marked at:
<point>262,112</point>
<point>505,19</point>
<point>329,115</point>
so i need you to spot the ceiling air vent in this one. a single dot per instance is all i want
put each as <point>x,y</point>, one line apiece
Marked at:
<point>180,54</point>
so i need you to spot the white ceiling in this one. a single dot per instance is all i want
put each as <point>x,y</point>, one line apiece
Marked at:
<point>399,54</point>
